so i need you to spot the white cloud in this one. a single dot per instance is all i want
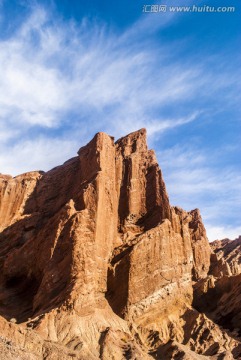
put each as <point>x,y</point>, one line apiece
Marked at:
<point>46,153</point>
<point>31,92</point>
<point>163,124</point>
<point>222,232</point>
<point>51,68</point>
<point>194,179</point>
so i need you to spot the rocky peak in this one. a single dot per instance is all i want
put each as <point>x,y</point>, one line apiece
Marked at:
<point>134,142</point>
<point>143,199</point>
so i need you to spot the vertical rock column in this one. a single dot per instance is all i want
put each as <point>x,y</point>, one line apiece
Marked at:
<point>106,210</point>
<point>96,227</point>
<point>200,245</point>
<point>142,195</point>
<point>131,154</point>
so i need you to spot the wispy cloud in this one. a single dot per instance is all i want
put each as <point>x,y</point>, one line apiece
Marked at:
<point>223,232</point>
<point>157,126</point>
<point>52,69</point>
<point>64,76</point>
<point>194,179</point>
<point>21,157</point>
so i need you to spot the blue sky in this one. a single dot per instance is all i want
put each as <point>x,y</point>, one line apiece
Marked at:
<point>71,68</point>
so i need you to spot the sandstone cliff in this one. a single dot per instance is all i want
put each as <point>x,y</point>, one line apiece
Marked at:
<point>96,264</point>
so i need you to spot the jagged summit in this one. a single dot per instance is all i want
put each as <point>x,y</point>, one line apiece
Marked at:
<point>97,264</point>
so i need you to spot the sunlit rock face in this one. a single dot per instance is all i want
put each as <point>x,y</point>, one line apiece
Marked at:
<point>96,263</point>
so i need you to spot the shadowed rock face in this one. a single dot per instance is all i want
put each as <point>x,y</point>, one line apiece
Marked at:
<point>96,263</point>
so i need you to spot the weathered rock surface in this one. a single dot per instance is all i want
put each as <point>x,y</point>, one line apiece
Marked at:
<point>96,264</point>
<point>229,252</point>
<point>219,295</point>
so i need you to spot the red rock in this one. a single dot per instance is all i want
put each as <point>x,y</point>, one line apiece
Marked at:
<point>96,263</point>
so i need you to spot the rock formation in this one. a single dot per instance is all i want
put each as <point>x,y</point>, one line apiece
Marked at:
<point>96,264</point>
